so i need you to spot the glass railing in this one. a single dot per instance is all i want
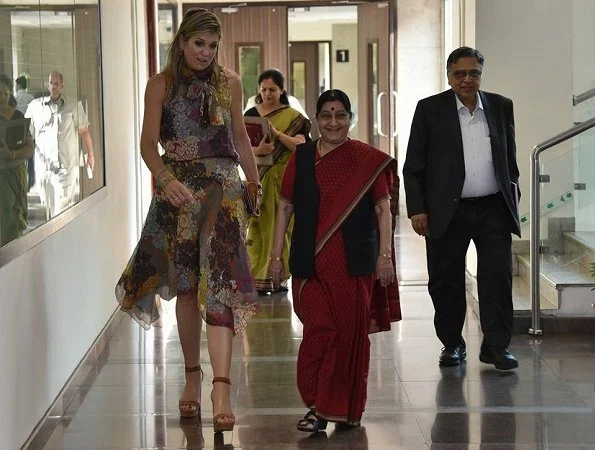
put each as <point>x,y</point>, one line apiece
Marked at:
<point>562,216</point>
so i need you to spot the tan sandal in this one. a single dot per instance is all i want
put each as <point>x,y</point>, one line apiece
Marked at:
<point>190,408</point>
<point>218,426</point>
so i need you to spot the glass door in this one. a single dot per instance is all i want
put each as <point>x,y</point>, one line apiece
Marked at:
<point>355,54</point>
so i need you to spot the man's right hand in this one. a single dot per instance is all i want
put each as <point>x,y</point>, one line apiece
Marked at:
<point>419,222</point>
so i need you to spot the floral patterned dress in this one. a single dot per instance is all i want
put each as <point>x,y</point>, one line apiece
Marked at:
<point>198,248</point>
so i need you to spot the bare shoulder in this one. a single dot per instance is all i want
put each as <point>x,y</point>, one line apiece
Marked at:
<point>156,83</point>
<point>233,80</point>
<point>155,90</point>
<point>231,75</point>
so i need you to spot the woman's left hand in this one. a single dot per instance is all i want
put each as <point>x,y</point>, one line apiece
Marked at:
<point>385,272</point>
<point>276,271</point>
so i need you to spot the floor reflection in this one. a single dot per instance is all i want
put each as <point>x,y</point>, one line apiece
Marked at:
<point>451,427</point>
<point>344,438</point>
<point>219,441</point>
<point>127,396</point>
<point>192,429</point>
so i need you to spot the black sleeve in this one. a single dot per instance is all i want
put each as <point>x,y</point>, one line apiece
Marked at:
<point>252,112</point>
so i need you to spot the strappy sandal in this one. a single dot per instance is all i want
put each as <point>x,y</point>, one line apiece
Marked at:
<point>190,408</point>
<point>218,426</point>
<point>311,423</point>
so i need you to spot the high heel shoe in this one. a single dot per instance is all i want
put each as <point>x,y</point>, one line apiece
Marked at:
<point>218,426</point>
<point>190,408</point>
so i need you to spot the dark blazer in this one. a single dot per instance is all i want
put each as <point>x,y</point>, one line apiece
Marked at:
<point>434,169</point>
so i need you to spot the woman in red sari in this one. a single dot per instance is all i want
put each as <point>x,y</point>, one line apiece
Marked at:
<point>341,259</point>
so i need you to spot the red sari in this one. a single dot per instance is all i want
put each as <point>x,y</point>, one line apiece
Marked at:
<point>338,310</point>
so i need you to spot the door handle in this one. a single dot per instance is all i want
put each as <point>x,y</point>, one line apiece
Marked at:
<point>379,114</point>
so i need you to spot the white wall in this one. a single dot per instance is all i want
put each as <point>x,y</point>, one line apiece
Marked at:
<point>419,61</point>
<point>58,296</point>
<point>528,46</point>
<point>320,31</point>
<point>342,74</point>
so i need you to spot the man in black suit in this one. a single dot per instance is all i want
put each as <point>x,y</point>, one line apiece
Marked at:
<point>460,179</point>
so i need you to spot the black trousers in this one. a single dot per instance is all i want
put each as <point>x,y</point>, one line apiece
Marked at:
<point>487,222</point>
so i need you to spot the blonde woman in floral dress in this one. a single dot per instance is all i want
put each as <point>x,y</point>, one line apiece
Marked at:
<point>193,242</point>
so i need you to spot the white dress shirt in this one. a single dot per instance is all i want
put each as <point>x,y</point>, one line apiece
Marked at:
<point>480,179</point>
<point>23,99</point>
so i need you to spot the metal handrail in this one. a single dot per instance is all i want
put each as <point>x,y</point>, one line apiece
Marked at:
<point>576,99</point>
<point>534,238</point>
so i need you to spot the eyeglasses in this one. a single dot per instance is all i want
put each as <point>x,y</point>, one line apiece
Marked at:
<point>327,117</point>
<point>461,74</point>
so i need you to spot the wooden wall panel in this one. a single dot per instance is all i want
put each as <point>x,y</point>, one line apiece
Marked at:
<point>265,25</point>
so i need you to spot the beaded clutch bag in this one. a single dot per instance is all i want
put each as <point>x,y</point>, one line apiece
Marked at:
<point>251,200</point>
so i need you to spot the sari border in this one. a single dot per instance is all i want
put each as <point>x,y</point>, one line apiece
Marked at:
<point>351,206</point>
<point>341,219</point>
<point>300,289</point>
<point>295,125</point>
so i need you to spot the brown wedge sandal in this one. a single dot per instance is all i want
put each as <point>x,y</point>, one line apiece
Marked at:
<point>218,427</point>
<point>190,408</point>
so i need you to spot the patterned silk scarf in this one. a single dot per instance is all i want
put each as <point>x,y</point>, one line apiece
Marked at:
<point>211,100</point>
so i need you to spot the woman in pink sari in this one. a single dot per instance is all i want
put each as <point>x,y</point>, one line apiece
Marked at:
<point>341,259</point>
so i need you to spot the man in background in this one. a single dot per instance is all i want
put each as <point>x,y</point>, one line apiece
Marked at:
<point>22,96</point>
<point>56,124</point>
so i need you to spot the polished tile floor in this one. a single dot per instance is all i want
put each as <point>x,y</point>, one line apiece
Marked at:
<point>128,397</point>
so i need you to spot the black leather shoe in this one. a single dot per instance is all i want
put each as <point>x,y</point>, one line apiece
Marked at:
<point>452,356</point>
<point>500,357</point>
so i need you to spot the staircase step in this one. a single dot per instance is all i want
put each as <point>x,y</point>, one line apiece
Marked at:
<point>521,297</point>
<point>560,270</point>
<point>581,244</point>
<point>584,238</point>
<point>547,286</point>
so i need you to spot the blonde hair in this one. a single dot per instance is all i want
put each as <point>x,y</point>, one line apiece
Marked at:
<point>196,20</point>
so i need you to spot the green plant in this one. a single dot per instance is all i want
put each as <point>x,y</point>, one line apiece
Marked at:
<point>593,269</point>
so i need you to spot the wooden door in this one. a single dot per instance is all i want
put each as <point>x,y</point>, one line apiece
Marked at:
<point>303,82</point>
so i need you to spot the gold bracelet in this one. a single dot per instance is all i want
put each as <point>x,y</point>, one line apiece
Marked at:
<point>258,185</point>
<point>164,180</point>
<point>276,258</point>
<point>387,255</point>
